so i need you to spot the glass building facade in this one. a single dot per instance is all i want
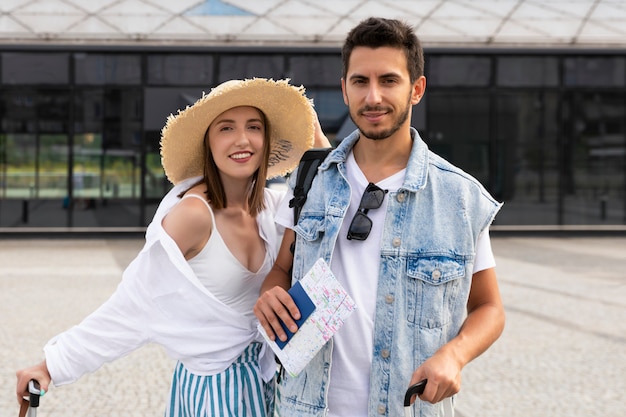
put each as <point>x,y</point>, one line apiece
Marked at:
<point>543,130</point>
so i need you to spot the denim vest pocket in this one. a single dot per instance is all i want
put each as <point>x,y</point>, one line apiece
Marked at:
<point>309,233</point>
<point>433,285</point>
<point>310,228</point>
<point>300,396</point>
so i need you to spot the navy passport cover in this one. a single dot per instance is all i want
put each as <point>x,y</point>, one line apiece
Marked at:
<point>306,307</point>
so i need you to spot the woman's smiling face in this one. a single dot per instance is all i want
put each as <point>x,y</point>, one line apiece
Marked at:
<point>236,141</point>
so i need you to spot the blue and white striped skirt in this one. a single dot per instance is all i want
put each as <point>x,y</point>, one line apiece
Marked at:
<point>238,391</point>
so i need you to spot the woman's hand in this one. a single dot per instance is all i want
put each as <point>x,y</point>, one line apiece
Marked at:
<point>319,139</point>
<point>39,373</point>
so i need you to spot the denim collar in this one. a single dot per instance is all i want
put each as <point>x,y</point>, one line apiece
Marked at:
<point>417,167</point>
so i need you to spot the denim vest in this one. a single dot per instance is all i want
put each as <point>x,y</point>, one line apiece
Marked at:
<point>426,262</point>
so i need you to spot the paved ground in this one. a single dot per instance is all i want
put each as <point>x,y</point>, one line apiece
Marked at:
<point>563,352</point>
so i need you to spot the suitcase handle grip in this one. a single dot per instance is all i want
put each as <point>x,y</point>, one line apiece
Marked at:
<point>415,389</point>
<point>35,393</point>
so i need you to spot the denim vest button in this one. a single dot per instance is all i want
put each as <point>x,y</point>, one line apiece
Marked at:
<point>400,197</point>
<point>389,299</point>
<point>436,275</point>
<point>382,409</point>
<point>396,242</point>
<point>384,353</point>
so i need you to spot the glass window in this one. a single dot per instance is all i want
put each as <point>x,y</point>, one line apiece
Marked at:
<point>35,68</point>
<point>3,169</point>
<point>53,111</point>
<point>122,118</point>
<point>528,71</point>
<point>88,110</point>
<point>52,166</point>
<point>449,71</point>
<point>527,150</point>
<point>248,66</point>
<point>106,171</point>
<point>35,181</point>
<point>19,110</point>
<point>35,110</point>
<point>100,69</point>
<point>458,130</point>
<point>418,114</point>
<point>156,184</point>
<point>180,69</point>
<point>161,102</point>
<point>316,70</point>
<point>20,152</point>
<point>594,157</point>
<point>329,106</point>
<point>594,72</point>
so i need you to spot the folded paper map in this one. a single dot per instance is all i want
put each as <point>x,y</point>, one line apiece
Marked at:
<point>324,306</point>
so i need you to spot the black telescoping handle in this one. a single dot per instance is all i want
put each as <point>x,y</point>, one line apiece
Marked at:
<point>415,389</point>
<point>35,393</point>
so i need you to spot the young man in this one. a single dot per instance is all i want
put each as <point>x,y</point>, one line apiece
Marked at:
<point>405,232</point>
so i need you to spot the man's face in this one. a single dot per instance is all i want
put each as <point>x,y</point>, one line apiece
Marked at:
<point>378,91</point>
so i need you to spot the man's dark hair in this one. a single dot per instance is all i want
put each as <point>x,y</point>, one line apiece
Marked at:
<point>376,32</point>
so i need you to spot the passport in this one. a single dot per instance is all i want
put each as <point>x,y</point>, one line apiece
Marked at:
<point>306,307</point>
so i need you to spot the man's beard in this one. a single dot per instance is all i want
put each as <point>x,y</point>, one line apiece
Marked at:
<point>384,134</point>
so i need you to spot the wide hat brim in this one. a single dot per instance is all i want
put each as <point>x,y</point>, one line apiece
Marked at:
<point>288,110</point>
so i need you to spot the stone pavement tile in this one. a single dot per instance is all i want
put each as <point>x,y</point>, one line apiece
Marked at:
<point>563,351</point>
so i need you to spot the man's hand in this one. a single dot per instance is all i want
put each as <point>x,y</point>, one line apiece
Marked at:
<point>443,373</point>
<point>275,304</point>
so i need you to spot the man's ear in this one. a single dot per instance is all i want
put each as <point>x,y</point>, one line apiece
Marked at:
<point>343,91</point>
<point>419,88</point>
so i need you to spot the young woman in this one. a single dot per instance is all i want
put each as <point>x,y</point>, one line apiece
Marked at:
<point>212,241</point>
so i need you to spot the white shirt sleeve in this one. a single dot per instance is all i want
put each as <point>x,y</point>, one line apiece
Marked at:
<point>284,214</point>
<point>484,254</point>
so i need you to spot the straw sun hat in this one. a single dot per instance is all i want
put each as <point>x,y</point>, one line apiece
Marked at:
<point>288,110</point>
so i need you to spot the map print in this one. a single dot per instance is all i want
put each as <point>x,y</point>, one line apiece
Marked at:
<point>332,307</point>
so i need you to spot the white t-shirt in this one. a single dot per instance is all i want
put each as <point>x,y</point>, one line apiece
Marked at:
<point>352,351</point>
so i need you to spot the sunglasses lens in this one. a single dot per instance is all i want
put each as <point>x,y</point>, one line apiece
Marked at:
<point>360,227</point>
<point>372,198</point>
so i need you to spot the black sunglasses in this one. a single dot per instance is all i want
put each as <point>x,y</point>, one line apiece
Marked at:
<point>361,225</point>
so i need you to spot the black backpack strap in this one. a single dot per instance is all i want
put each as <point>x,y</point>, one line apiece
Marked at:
<point>307,169</point>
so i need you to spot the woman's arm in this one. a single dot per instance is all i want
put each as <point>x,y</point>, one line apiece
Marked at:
<point>274,302</point>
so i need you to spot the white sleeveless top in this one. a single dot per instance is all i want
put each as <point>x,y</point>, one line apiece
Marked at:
<point>222,273</point>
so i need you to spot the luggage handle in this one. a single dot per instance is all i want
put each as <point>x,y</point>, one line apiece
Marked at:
<point>415,389</point>
<point>35,393</point>
<point>30,406</point>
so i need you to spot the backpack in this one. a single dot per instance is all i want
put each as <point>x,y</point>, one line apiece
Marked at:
<point>307,169</point>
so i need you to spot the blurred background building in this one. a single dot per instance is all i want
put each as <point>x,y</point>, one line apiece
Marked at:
<point>529,96</point>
